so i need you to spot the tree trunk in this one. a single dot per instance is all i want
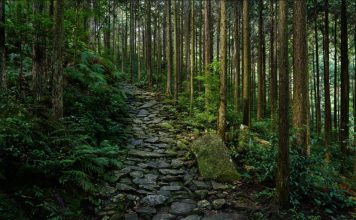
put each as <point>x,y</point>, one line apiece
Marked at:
<point>318,108</point>
<point>344,112</point>
<point>282,180</point>
<point>38,55</point>
<point>192,56</point>
<point>261,74</point>
<point>222,93</point>
<point>57,87</point>
<point>3,78</point>
<point>336,117</point>
<point>148,44</point>
<point>236,57</point>
<point>132,36</point>
<point>176,49</point>
<point>169,48</point>
<point>273,95</point>
<point>327,125</point>
<point>246,63</point>
<point>301,76</point>
<point>207,51</point>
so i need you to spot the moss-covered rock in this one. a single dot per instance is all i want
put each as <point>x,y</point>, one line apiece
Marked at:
<point>213,158</point>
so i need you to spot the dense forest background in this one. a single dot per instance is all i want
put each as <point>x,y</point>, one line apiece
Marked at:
<point>274,78</point>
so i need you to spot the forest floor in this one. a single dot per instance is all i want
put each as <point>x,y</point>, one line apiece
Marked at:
<point>160,178</point>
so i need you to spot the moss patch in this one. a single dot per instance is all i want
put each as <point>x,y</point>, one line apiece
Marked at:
<point>214,160</point>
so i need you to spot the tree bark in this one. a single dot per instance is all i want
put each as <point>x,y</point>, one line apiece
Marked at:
<point>192,56</point>
<point>301,77</point>
<point>148,44</point>
<point>273,94</point>
<point>236,57</point>
<point>207,51</point>
<point>222,91</point>
<point>57,87</point>
<point>261,73</point>
<point>327,125</point>
<point>3,77</point>
<point>246,63</point>
<point>282,180</point>
<point>318,99</point>
<point>169,48</point>
<point>344,112</point>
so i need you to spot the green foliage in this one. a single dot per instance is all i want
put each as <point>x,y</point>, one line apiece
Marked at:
<point>54,169</point>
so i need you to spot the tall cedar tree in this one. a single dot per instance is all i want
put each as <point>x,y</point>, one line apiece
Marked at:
<point>273,94</point>
<point>38,54</point>
<point>301,76</point>
<point>169,48</point>
<point>2,46</point>
<point>318,98</point>
<point>148,44</point>
<point>246,63</point>
<point>192,56</point>
<point>223,68</point>
<point>327,124</point>
<point>236,56</point>
<point>207,50</point>
<point>344,110</point>
<point>282,180</point>
<point>261,71</point>
<point>58,46</point>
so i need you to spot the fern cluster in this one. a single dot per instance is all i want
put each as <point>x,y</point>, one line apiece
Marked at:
<point>51,169</point>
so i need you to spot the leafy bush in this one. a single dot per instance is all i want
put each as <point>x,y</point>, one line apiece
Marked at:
<point>51,169</point>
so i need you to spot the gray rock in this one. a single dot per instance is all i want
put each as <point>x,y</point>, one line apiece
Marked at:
<point>219,186</point>
<point>163,216</point>
<point>192,217</point>
<point>202,193</point>
<point>124,187</point>
<point>149,104</point>
<point>176,163</point>
<point>218,203</point>
<point>182,208</point>
<point>146,210</point>
<point>204,204</point>
<point>131,216</point>
<point>160,164</point>
<point>142,113</point>
<point>171,188</point>
<point>154,200</point>
<point>226,216</point>
<point>201,184</point>
<point>136,174</point>
<point>144,154</point>
<point>171,172</point>
<point>152,140</point>
<point>137,142</point>
<point>147,180</point>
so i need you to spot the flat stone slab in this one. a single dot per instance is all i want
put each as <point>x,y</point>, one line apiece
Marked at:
<point>182,208</point>
<point>149,104</point>
<point>154,200</point>
<point>144,154</point>
<point>163,216</point>
<point>226,216</point>
<point>146,210</point>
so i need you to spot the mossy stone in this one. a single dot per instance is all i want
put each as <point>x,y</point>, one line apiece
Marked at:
<point>214,160</point>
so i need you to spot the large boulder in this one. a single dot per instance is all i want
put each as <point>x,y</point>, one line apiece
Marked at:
<point>214,160</point>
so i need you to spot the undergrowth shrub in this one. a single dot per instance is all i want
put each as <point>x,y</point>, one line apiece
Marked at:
<point>54,169</point>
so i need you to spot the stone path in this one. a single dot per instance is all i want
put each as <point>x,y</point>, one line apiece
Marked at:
<point>157,181</point>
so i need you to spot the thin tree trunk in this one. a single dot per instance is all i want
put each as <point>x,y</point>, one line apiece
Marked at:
<point>335,81</point>
<point>327,125</point>
<point>236,57</point>
<point>318,108</point>
<point>282,180</point>
<point>148,44</point>
<point>261,74</point>
<point>207,51</point>
<point>246,64</point>
<point>3,77</point>
<point>273,71</point>
<point>57,87</point>
<point>222,93</point>
<point>301,77</point>
<point>344,112</point>
<point>169,48</point>
<point>192,57</point>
